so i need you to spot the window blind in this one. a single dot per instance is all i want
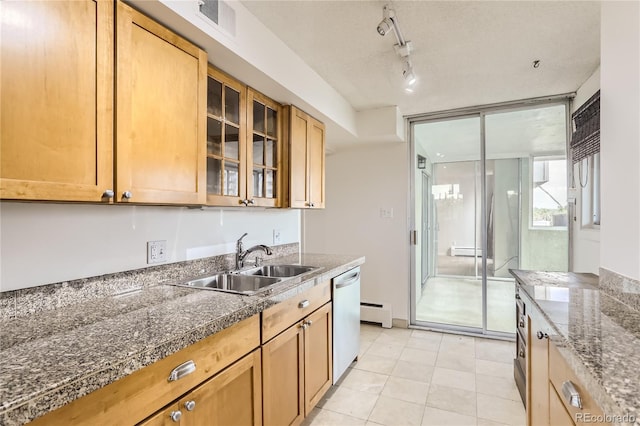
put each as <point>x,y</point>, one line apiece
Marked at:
<point>585,140</point>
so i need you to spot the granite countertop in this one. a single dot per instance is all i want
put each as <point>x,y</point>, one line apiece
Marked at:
<point>52,358</point>
<point>598,335</point>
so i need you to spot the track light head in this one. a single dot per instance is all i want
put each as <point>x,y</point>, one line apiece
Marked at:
<point>408,75</point>
<point>385,26</point>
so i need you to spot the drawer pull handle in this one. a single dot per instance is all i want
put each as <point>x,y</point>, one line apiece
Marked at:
<point>182,370</point>
<point>571,393</point>
<point>303,304</point>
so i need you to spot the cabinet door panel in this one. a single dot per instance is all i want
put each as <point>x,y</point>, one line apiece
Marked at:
<point>57,100</point>
<point>298,194</point>
<point>317,356</point>
<point>537,377</point>
<point>161,118</point>
<point>316,164</point>
<point>232,398</point>
<point>226,168</point>
<point>283,380</point>
<point>264,150</point>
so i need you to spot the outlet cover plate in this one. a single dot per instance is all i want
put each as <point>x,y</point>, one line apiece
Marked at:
<point>156,251</point>
<point>277,236</point>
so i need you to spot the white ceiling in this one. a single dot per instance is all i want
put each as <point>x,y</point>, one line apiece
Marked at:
<point>465,53</point>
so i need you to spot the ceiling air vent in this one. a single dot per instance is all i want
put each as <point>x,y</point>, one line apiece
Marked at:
<point>220,13</point>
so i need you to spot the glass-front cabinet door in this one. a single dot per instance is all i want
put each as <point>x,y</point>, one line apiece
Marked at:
<point>264,150</point>
<point>226,149</point>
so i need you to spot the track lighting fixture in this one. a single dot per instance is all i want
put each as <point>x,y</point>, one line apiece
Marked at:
<point>387,23</point>
<point>407,73</point>
<point>403,47</point>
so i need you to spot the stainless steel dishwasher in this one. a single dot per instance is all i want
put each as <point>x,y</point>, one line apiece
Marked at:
<point>346,321</point>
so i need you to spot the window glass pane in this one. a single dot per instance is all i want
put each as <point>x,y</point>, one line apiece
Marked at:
<point>214,175</point>
<point>270,184</point>
<point>258,117</point>
<point>271,153</point>
<point>258,149</point>
<point>214,136</point>
<point>230,178</point>
<point>271,122</point>
<point>231,105</point>
<point>258,182</point>
<point>549,206</point>
<point>231,138</point>
<point>214,97</point>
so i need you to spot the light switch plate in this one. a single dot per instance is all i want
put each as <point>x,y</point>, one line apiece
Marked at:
<point>156,251</point>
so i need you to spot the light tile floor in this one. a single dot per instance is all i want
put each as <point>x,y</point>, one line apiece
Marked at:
<point>450,300</point>
<point>414,377</point>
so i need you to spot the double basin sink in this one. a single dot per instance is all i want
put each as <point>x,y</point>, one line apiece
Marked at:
<point>249,281</point>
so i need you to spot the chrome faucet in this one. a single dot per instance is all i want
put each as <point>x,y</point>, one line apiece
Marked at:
<point>241,254</point>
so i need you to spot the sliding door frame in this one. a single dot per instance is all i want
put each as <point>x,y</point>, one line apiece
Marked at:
<point>469,112</point>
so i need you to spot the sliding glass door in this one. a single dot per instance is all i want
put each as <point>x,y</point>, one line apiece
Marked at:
<point>498,201</point>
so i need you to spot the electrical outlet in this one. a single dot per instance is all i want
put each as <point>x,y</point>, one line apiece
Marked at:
<point>386,212</point>
<point>277,238</point>
<point>156,251</point>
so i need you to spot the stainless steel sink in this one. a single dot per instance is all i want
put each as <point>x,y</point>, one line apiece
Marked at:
<point>232,283</point>
<point>280,271</point>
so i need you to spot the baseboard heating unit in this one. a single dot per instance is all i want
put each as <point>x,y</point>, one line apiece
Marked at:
<point>376,312</point>
<point>466,251</point>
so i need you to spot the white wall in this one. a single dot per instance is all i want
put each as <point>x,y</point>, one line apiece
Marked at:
<point>620,138</point>
<point>48,243</point>
<point>359,182</point>
<point>586,241</point>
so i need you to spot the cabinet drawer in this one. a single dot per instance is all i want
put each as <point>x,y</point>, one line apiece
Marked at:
<point>140,394</point>
<point>559,373</point>
<point>277,318</point>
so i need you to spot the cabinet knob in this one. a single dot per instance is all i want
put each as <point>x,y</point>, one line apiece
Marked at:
<point>540,335</point>
<point>521,353</point>
<point>176,415</point>
<point>312,204</point>
<point>190,405</point>
<point>126,195</point>
<point>308,323</point>
<point>521,323</point>
<point>108,193</point>
<point>251,201</point>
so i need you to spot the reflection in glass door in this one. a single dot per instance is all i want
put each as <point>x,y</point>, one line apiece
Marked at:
<point>499,194</point>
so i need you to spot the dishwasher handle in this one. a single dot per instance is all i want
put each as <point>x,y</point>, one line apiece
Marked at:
<point>345,281</point>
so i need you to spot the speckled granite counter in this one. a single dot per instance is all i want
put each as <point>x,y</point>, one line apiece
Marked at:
<point>53,357</point>
<point>597,335</point>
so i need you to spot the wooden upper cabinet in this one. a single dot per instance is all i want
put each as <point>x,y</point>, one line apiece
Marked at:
<point>226,139</point>
<point>161,85</point>
<point>306,160</point>
<point>56,98</point>
<point>264,151</point>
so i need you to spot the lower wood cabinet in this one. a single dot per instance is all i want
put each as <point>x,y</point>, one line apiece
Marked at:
<point>232,397</point>
<point>297,369</point>
<point>537,374</point>
<point>547,373</point>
